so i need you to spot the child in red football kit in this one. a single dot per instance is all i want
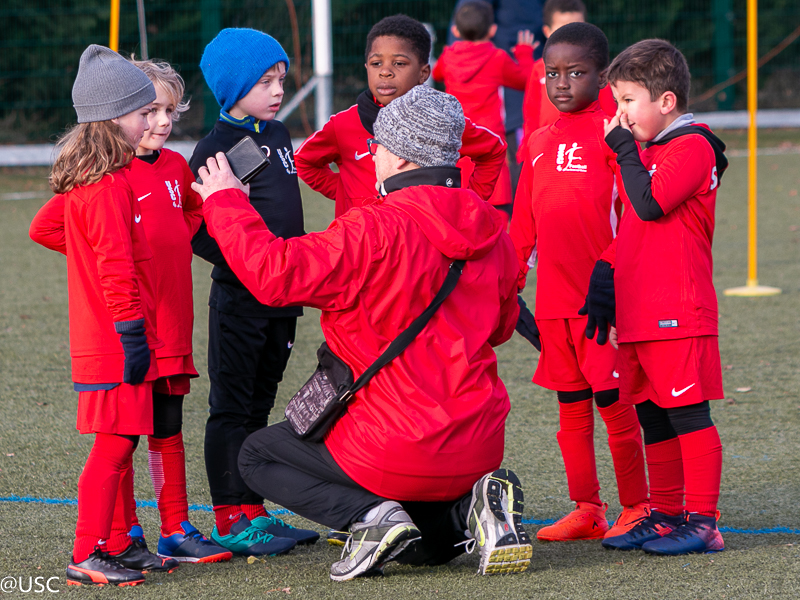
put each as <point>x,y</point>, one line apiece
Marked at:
<point>474,70</point>
<point>566,212</point>
<point>659,271</point>
<point>398,48</point>
<point>96,222</point>
<point>171,214</point>
<point>537,109</point>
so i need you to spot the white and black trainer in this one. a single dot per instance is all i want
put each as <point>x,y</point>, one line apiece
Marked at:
<point>495,523</point>
<point>373,543</point>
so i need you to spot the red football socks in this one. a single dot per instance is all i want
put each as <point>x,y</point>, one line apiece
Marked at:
<point>576,440</point>
<point>168,472</point>
<point>702,470</point>
<point>124,509</point>
<point>98,488</point>
<point>252,511</point>
<point>226,515</point>
<point>665,467</point>
<point>625,443</point>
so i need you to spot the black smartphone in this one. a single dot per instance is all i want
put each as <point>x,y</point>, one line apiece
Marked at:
<point>246,159</point>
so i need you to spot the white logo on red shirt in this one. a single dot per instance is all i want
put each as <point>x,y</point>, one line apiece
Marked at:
<point>360,156</point>
<point>140,198</point>
<point>137,218</point>
<point>175,193</point>
<point>681,392</point>
<point>714,179</point>
<point>571,159</point>
<point>652,170</point>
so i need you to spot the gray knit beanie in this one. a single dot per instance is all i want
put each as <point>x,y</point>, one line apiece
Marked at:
<point>422,126</point>
<point>108,86</point>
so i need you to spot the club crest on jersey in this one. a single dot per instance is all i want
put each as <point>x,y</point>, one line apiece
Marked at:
<point>174,193</point>
<point>287,159</point>
<point>566,159</point>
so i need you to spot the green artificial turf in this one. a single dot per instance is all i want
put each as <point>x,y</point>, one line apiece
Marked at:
<point>41,454</point>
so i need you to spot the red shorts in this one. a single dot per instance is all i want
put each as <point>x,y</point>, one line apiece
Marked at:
<point>125,410</point>
<point>671,373</point>
<point>570,362</point>
<point>175,373</point>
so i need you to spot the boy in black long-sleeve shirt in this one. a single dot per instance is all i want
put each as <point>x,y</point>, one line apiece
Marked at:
<point>249,343</point>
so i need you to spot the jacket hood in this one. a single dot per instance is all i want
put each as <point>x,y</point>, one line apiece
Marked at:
<point>456,221</point>
<point>468,58</point>
<point>703,130</point>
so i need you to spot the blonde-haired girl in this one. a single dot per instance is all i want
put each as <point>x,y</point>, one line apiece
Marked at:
<point>171,214</point>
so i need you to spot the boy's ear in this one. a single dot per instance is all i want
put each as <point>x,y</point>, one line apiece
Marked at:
<point>547,31</point>
<point>602,78</point>
<point>669,101</point>
<point>454,31</point>
<point>424,73</point>
<point>492,31</point>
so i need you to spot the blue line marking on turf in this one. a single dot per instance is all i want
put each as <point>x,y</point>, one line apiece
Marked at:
<point>283,511</point>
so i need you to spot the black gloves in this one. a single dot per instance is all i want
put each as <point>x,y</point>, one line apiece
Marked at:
<point>137,352</point>
<point>526,325</point>
<point>600,304</point>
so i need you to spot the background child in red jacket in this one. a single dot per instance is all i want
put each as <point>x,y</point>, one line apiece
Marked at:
<point>567,213</point>
<point>537,109</point>
<point>111,308</point>
<point>659,272</point>
<point>171,214</point>
<point>398,49</point>
<point>474,70</point>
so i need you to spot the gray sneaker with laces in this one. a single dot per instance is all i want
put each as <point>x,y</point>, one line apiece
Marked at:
<point>373,543</point>
<point>495,523</point>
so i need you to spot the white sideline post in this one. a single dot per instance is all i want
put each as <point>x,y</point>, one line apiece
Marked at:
<point>323,60</point>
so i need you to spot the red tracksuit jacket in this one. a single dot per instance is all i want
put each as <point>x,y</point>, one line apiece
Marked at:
<point>431,422</point>
<point>343,140</point>
<point>109,272</point>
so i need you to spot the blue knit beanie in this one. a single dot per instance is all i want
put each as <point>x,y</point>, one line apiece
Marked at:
<point>233,62</point>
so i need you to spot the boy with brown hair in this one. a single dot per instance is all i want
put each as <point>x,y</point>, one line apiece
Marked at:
<point>659,272</point>
<point>474,69</point>
<point>537,108</point>
<point>397,53</point>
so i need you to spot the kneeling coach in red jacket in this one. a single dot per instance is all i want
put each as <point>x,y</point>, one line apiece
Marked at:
<point>412,468</point>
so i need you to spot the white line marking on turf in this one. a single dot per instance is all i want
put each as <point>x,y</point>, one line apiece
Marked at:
<point>26,195</point>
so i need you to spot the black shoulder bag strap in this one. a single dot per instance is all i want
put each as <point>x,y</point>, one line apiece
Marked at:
<point>402,341</point>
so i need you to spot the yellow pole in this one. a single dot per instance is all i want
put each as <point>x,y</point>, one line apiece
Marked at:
<point>752,143</point>
<point>752,288</point>
<point>113,35</point>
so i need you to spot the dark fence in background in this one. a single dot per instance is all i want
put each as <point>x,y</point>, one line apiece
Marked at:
<point>42,40</point>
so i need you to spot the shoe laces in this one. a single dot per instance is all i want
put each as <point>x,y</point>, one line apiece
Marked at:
<point>280,522</point>
<point>253,534</point>
<point>348,546</point>
<point>469,545</point>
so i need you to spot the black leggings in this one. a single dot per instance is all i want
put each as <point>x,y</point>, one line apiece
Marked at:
<point>603,399</point>
<point>167,415</point>
<point>662,424</point>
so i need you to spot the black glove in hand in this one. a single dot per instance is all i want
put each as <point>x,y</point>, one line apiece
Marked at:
<point>137,352</point>
<point>601,303</point>
<point>526,325</point>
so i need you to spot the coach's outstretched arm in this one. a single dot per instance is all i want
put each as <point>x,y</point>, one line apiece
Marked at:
<point>324,270</point>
